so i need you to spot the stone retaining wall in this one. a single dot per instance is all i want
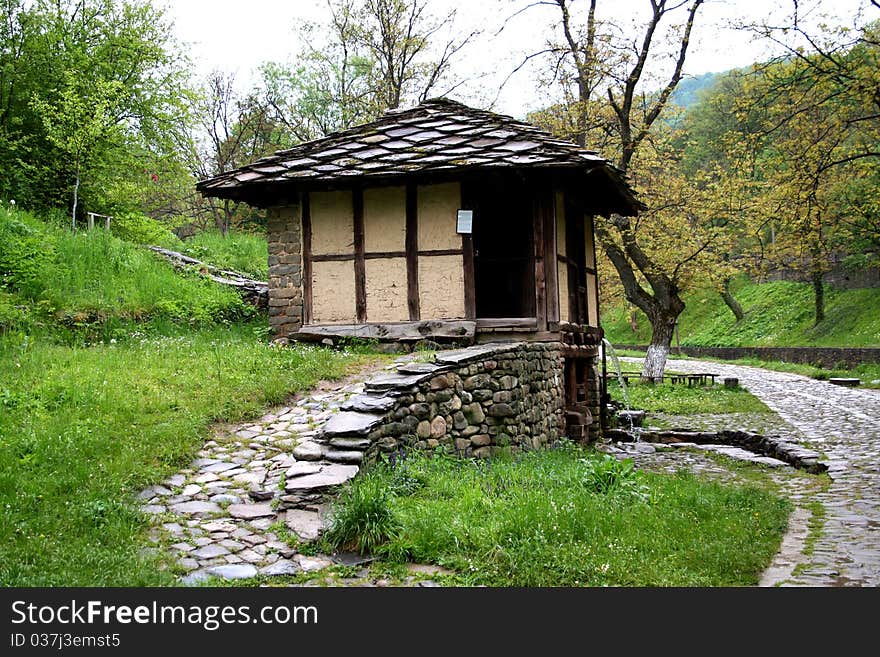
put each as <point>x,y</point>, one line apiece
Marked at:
<point>827,357</point>
<point>473,402</point>
<point>773,446</point>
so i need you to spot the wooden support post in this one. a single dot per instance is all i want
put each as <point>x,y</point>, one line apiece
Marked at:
<point>307,258</point>
<point>412,252</point>
<point>470,298</point>
<point>540,277</point>
<point>360,270</point>
<point>91,220</point>
<point>550,263</point>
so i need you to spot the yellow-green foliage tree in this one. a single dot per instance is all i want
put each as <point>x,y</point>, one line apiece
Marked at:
<point>798,136</point>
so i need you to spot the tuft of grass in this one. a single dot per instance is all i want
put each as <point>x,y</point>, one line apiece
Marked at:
<point>536,520</point>
<point>362,519</point>
<point>83,430</point>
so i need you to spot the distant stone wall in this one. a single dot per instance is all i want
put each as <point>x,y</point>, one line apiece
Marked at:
<point>473,402</point>
<point>827,357</point>
<point>285,270</point>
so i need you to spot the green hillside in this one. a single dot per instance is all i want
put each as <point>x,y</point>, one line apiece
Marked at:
<point>778,313</point>
<point>93,282</point>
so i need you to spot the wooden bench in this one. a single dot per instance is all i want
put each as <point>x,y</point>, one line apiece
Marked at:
<point>693,379</point>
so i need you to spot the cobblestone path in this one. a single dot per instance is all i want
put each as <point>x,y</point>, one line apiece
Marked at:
<point>225,515</point>
<point>844,425</point>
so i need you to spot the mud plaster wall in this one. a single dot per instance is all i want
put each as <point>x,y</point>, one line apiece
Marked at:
<point>333,294</point>
<point>285,269</point>
<point>441,287</point>
<point>437,209</point>
<point>332,218</point>
<point>386,290</point>
<point>385,220</point>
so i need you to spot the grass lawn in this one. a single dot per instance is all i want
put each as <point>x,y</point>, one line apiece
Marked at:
<point>83,430</point>
<point>679,399</point>
<point>562,517</point>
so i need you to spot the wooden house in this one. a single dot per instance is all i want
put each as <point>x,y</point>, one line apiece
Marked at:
<point>437,222</point>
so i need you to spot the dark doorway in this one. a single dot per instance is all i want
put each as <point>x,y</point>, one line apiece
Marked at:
<point>504,266</point>
<point>576,262</point>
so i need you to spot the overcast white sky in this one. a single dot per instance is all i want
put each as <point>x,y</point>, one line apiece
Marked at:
<point>237,36</point>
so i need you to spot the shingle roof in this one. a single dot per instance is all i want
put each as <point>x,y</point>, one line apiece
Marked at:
<point>437,135</point>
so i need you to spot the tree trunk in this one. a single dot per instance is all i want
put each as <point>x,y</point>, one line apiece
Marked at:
<point>634,320</point>
<point>662,328</point>
<point>731,301</point>
<point>75,200</point>
<point>817,277</point>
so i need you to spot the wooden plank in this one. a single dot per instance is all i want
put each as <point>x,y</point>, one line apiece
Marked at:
<point>540,278</point>
<point>391,331</point>
<point>333,257</point>
<point>507,323</point>
<point>470,298</point>
<point>360,270</point>
<point>550,260</point>
<point>484,336</point>
<point>412,252</point>
<point>377,255</point>
<point>591,226</point>
<point>441,252</point>
<point>307,258</point>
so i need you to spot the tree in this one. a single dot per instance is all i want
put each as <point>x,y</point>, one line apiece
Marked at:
<point>54,51</point>
<point>368,57</point>
<point>603,72</point>
<point>820,105</point>
<point>82,117</point>
<point>228,130</point>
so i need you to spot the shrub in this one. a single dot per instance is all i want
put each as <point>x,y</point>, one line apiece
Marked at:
<point>25,252</point>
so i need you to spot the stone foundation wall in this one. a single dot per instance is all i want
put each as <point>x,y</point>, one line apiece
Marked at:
<point>285,270</point>
<point>472,402</point>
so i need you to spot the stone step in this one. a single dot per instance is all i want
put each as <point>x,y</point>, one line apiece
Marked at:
<point>389,382</point>
<point>348,423</point>
<point>359,444</point>
<point>344,456</point>
<point>308,451</point>
<point>369,403</point>
<point>420,368</point>
<point>331,474</point>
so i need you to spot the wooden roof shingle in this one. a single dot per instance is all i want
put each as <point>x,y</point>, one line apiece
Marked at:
<point>437,135</point>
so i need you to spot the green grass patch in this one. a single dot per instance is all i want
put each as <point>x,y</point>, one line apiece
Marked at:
<point>246,253</point>
<point>567,517</point>
<point>777,314</point>
<point>83,430</point>
<point>679,399</point>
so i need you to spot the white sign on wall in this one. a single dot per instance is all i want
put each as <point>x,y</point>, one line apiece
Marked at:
<point>465,223</point>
